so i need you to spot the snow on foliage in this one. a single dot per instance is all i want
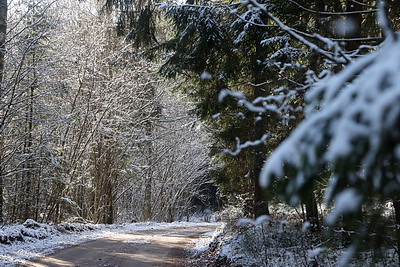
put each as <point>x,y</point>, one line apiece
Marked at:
<point>196,17</point>
<point>259,220</point>
<point>245,22</point>
<point>33,239</point>
<point>240,146</point>
<point>274,103</point>
<point>275,241</point>
<point>31,230</point>
<point>351,128</point>
<point>265,244</point>
<point>312,253</point>
<point>347,201</point>
<point>206,76</point>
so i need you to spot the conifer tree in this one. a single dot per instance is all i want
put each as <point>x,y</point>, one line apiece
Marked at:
<point>217,46</point>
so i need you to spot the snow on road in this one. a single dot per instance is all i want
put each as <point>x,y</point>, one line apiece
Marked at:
<point>48,239</point>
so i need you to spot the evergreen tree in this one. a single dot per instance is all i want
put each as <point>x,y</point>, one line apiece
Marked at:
<point>212,52</point>
<point>342,136</point>
<point>264,50</point>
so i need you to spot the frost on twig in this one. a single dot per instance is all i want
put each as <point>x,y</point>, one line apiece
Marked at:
<point>277,104</point>
<point>247,144</point>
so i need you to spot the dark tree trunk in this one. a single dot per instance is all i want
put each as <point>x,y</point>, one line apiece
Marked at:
<point>312,211</point>
<point>353,24</point>
<point>109,212</point>
<point>147,199</point>
<point>260,125</point>
<point>396,205</point>
<point>260,196</point>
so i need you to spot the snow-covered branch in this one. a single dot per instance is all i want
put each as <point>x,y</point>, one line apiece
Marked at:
<point>246,144</point>
<point>342,59</point>
<point>357,112</point>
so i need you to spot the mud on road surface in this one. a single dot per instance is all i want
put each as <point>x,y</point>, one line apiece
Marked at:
<point>155,247</point>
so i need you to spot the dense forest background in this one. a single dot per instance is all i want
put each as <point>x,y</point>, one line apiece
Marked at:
<point>87,128</point>
<point>119,111</point>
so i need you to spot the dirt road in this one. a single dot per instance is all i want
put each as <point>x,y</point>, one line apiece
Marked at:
<point>156,247</point>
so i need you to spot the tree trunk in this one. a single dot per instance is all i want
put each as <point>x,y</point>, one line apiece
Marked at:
<point>353,24</point>
<point>28,176</point>
<point>312,211</point>
<point>148,127</point>
<point>396,205</point>
<point>148,212</point>
<point>260,124</point>
<point>147,199</point>
<point>3,31</point>
<point>260,196</point>
<point>109,209</point>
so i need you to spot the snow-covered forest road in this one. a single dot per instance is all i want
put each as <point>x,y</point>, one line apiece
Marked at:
<point>154,247</point>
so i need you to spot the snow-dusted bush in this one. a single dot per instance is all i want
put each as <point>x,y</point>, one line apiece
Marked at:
<point>31,230</point>
<point>230,214</point>
<point>280,243</point>
<point>267,243</point>
<point>11,234</point>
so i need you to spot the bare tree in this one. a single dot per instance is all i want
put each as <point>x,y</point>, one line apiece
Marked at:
<point>3,32</point>
<point>87,128</point>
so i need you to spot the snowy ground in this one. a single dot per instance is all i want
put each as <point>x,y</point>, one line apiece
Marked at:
<point>237,242</point>
<point>280,241</point>
<point>20,242</point>
<point>278,244</point>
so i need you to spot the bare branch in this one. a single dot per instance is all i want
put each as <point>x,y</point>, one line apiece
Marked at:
<point>333,13</point>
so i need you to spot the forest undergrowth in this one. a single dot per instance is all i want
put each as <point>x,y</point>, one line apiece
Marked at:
<point>282,240</point>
